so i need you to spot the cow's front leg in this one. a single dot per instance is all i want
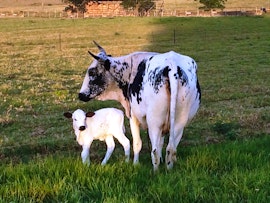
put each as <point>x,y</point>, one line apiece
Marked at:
<point>137,142</point>
<point>85,154</point>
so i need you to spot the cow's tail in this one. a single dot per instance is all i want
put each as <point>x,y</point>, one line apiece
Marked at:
<point>174,87</point>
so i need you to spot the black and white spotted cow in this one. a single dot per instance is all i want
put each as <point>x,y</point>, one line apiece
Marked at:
<point>159,91</point>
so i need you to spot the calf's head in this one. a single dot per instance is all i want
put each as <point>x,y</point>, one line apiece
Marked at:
<point>79,119</point>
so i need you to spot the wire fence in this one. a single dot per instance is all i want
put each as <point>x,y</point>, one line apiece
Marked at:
<point>248,11</point>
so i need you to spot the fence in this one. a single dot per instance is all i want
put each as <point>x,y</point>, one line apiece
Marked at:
<point>202,13</point>
<point>41,14</point>
<point>156,12</point>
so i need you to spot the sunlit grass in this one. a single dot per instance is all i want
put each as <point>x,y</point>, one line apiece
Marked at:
<point>220,172</point>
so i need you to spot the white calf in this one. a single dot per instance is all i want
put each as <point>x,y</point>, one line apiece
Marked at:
<point>103,124</point>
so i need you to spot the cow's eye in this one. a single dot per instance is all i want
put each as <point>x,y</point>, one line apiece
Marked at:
<point>91,73</point>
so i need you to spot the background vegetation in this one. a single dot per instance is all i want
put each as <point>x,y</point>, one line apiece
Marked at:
<point>224,154</point>
<point>58,5</point>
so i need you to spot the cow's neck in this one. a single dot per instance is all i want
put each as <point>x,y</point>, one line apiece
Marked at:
<point>121,68</point>
<point>115,93</point>
<point>124,69</point>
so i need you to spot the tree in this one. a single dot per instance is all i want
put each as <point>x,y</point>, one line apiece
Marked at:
<point>212,4</point>
<point>77,5</point>
<point>141,6</point>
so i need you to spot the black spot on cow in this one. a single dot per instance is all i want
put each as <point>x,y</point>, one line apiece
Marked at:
<point>97,83</point>
<point>166,71</point>
<point>99,80</point>
<point>136,86</point>
<point>125,65</point>
<point>92,72</point>
<point>198,90</point>
<point>158,77</point>
<point>107,64</point>
<point>124,87</point>
<point>182,76</point>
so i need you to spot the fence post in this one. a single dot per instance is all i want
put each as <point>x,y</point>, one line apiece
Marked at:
<point>174,36</point>
<point>60,42</point>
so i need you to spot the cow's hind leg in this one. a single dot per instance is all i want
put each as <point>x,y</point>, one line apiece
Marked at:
<point>110,147</point>
<point>172,147</point>
<point>157,143</point>
<point>161,146</point>
<point>137,141</point>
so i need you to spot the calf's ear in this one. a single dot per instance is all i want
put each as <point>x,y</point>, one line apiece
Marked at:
<point>90,114</point>
<point>68,115</point>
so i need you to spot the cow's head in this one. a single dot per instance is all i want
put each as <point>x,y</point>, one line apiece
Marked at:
<point>97,79</point>
<point>95,82</point>
<point>100,84</point>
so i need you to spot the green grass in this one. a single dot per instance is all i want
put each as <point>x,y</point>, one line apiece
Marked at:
<point>224,153</point>
<point>234,171</point>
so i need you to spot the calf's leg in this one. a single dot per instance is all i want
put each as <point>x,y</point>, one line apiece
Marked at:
<point>124,141</point>
<point>85,154</point>
<point>110,147</point>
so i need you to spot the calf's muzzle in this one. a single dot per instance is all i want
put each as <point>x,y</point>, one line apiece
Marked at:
<point>82,128</point>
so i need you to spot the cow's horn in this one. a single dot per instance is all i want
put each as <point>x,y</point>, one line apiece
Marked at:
<point>93,55</point>
<point>99,47</point>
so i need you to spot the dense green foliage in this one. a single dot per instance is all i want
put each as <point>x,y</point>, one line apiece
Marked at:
<point>224,153</point>
<point>212,4</point>
<point>76,5</point>
<point>141,6</point>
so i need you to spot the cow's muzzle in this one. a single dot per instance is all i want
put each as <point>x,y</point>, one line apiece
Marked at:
<point>83,97</point>
<point>82,128</point>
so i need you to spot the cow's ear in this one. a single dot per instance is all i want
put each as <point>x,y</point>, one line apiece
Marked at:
<point>90,114</point>
<point>68,115</point>
<point>107,64</point>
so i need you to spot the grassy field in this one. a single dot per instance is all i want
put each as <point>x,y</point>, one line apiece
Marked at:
<point>224,153</point>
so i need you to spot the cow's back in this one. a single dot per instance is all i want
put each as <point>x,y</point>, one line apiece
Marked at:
<point>164,75</point>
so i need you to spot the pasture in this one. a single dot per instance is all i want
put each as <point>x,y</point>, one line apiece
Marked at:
<point>223,156</point>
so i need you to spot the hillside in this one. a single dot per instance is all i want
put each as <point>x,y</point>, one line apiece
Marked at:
<point>31,5</point>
